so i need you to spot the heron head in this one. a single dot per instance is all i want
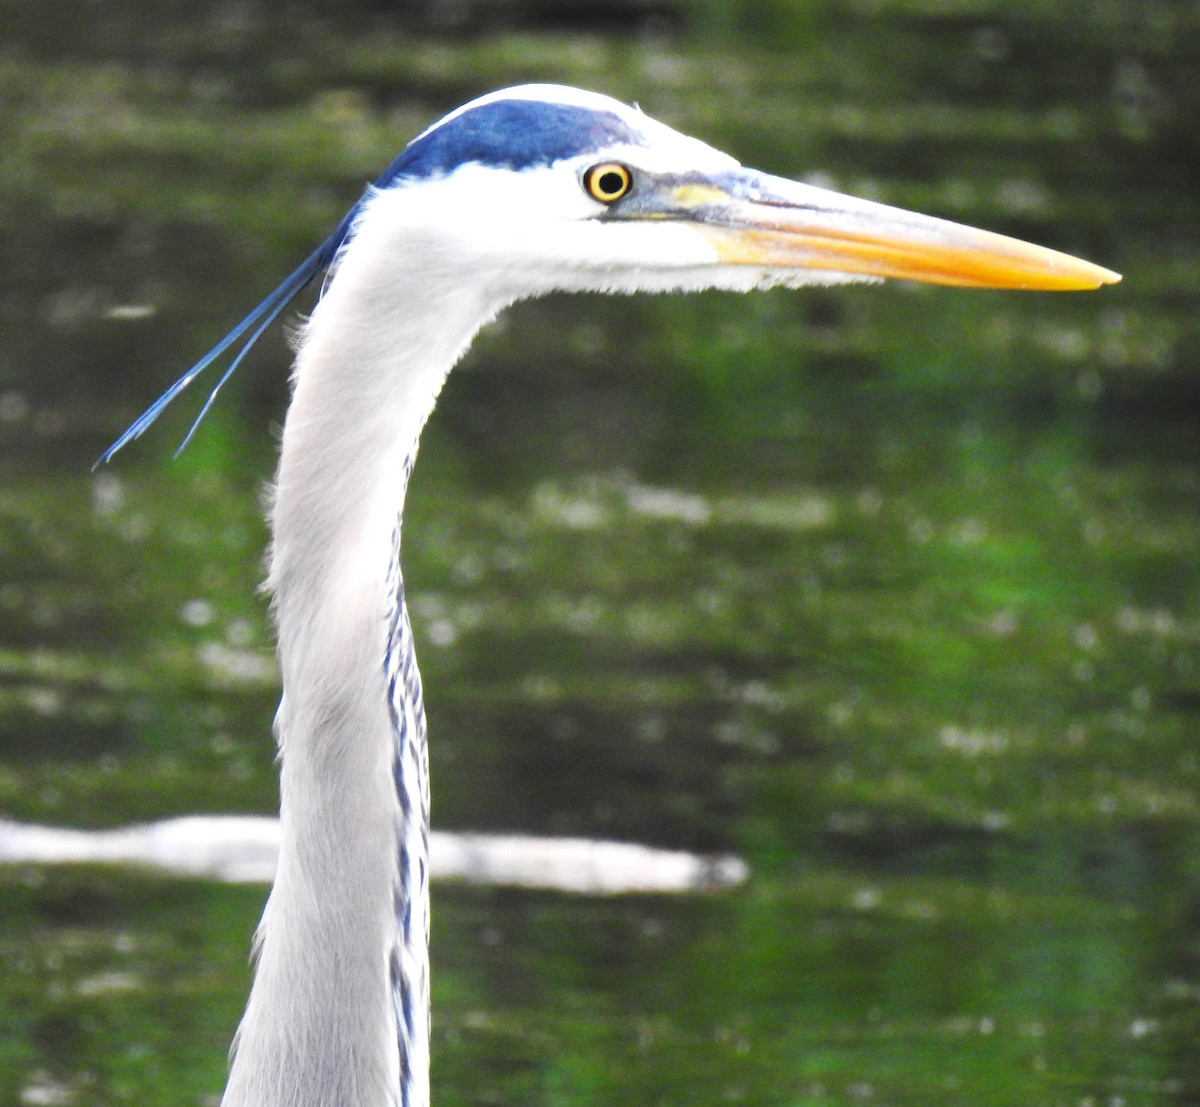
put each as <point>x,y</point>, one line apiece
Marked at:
<point>543,188</point>
<point>549,187</point>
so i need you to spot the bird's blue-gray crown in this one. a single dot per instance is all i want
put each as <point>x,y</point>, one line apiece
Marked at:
<point>510,133</point>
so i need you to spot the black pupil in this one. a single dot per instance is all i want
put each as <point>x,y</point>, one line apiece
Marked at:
<point>610,183</point>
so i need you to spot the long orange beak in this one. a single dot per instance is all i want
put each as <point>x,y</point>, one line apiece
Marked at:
<point>772,223</point>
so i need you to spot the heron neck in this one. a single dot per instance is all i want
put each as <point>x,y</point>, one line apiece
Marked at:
<point>338,1012</point>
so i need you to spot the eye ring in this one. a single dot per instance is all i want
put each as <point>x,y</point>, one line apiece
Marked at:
<point>608,181</point>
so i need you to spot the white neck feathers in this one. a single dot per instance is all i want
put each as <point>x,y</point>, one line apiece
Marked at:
<point>320,1028</point>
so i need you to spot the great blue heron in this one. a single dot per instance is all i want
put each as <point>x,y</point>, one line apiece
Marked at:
<point>523,192</point>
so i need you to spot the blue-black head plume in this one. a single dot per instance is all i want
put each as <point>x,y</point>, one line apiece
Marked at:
<point>248,331</point>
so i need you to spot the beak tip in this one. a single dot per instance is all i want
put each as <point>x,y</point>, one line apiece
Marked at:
<point>1096,276</point>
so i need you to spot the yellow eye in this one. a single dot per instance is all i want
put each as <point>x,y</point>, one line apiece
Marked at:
<point>608,181</point>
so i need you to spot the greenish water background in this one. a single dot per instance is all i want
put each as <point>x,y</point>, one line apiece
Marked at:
<point>891,590</point>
